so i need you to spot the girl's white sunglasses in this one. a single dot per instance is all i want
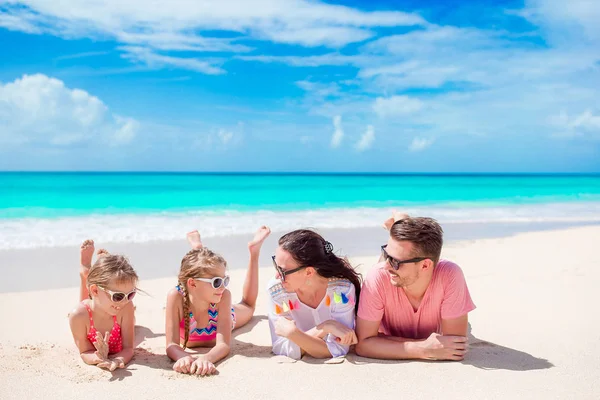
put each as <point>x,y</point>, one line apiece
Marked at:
<point>216,282</point>
<point>118,297</point>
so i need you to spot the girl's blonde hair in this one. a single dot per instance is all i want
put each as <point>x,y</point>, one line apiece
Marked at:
<point>108,268</point>
<point>195,264</point>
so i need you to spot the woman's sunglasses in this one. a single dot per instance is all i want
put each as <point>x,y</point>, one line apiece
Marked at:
<point>282,272</point>
<point>117,297</point>
<point>394,263</point>
<point>216,282</point>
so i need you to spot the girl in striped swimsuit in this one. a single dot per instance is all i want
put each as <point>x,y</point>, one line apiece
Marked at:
<point>199,310</point>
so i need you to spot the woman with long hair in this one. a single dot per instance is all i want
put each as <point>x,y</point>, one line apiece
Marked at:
<point>313,298</point>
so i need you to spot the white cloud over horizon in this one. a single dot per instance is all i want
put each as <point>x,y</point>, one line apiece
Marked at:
<point>41,109</point>
<point>420,144</point>
<point>366,139</point>
<point>338,132</point>
<point>396,105</point>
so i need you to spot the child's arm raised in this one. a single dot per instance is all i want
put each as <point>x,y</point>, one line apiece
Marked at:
<point>128,335</point>
<point>78,323</point>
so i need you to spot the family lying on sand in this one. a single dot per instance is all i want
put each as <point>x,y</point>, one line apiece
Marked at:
<point>412,305</point>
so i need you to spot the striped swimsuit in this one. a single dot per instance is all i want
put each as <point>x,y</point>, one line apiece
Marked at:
<point>209,332</point>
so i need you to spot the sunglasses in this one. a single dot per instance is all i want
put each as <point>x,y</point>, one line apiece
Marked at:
<point>283,272</point>
<point>117,297</point>
<point>394,263</point>
<point>216,282</point>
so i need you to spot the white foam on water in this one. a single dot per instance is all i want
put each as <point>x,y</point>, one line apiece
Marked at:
<point>127,228</point>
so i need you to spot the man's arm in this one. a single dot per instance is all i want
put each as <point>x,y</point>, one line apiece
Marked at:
<point>435,347</point>
<point>456,326</point>
<point>370,344</point>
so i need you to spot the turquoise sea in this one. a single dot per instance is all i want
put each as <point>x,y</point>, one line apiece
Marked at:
<point>54,209</point>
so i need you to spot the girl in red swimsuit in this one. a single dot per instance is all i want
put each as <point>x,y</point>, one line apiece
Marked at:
<point>105,312</point>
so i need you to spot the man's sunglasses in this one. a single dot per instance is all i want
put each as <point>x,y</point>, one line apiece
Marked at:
<point>216,282</point>
<point>117,297</point>
<point>394,263</point>
<point>282,272</point>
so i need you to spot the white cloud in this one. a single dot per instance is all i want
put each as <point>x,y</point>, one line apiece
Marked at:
<point>565,23</point>
<point>396,105</point>
<point>366,140</point>
<point>40,109</point>
<point>18,23</point>
<point>225,136</point>
<point>419,144</point>
<point>154,60</point>
<point>583,125</point>
<point>181,25</point>
<point>333,59</point>
<point>333,36</point>
<point>338,132</point>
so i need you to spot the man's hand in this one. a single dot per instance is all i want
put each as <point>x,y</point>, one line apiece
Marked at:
<point>440,347</point>
<point>285,327</point>
<point>344,335</point>
<point>396,216</point>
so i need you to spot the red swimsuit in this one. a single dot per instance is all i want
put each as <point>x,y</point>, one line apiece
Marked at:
<point>115,341</point>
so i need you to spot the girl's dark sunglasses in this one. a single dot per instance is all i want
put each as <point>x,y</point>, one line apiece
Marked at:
<point>117,297</point>
<point>282,272</point>
<point>395,264</point>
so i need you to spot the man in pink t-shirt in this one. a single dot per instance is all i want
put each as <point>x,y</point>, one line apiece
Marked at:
<point>412,304</point>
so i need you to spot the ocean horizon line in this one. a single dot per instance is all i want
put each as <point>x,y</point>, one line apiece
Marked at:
<point>317,173</point>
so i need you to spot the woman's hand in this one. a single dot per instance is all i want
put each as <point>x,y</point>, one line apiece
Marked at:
<point>344,335</point>
<point>396,216</point>
<point>202,366</point>
<point>285,327</point>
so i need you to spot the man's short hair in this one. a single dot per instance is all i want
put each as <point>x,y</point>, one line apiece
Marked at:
<point>424,233</point>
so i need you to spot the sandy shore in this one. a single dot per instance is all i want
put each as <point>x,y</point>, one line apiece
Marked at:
<point>535,334</point>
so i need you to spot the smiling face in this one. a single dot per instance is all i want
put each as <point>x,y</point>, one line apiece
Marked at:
<point>102,299</point>
<point>204,291</point>
<point>407,274</point>
<point>202,263</point>
<point>286,262</point>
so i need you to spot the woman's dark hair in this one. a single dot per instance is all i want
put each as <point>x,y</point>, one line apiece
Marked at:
<point>309,248</point>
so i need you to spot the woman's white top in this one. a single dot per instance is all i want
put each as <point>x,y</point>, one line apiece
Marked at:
<point>338,304</point>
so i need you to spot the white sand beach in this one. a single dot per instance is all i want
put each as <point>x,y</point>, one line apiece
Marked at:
<point>535,334</point>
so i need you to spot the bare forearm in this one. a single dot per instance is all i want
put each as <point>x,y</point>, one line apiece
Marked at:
<point>175,352</point>
<point>125,354</point>
<point>314,346</point>
<point>217,353</point>
<point>90,357</point>
<point>318,331</point>
<point>391,348</point>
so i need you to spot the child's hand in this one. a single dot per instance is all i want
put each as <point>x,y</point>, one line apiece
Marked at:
<point>113,364</point>
<point>101,345</point>
<point>183,365</point>
<point>202,367</point>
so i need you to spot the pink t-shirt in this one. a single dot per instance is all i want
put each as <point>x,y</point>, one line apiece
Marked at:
<point>446,297</point>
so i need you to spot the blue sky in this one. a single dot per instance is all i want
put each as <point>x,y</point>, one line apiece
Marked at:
<point>274,85</point>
